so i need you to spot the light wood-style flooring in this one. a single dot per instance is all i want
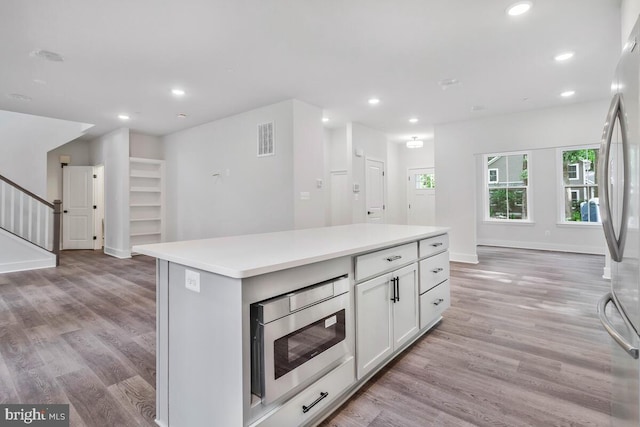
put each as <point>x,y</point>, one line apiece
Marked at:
<point>521,345</point>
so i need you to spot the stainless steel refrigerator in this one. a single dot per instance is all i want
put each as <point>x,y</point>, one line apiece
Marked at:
<point>619,194</point>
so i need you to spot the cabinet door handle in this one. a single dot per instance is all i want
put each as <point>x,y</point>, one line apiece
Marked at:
<point>437,270</point>
<point>394,258</point>
<point>438,301</point>
<point>306,409</point>
<point>435,245</point>
<point>397,289</point>
<point>393,283</point>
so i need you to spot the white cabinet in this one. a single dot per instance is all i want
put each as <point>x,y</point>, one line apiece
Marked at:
<point>386,316</point>
<point>146,201</point>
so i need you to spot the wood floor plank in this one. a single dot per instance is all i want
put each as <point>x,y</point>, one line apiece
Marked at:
<point>520,346</point>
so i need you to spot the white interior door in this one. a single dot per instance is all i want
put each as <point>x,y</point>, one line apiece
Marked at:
<point>421,196</point>
<point>77,207</point>
<point>340,213</point>
<point>375,190</point>
<point>98,212</point>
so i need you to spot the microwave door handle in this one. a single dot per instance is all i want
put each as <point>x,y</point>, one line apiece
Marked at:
<point>608,326</point>
<point>614,243</point>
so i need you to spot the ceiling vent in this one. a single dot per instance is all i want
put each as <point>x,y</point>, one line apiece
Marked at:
<point>266,139</point>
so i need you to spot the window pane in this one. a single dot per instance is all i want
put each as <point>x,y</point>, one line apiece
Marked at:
<point>581,204</point>
<point>517,202</point>
<point>425,181</point>
<point>517,170</point>
<point>581,166</point>
<point>498,203</point>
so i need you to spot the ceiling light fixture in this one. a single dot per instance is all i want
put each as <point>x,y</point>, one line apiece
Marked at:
<point>447,83</point>
<point>415,143</point>
<point>374,101</point>
<point>413,120</point>
<point>325,119</point>
<point>563,56</point>
<point>182,116</point>
<point>123,117</point>
<point>519,8</point>
<point>177,92</point>
<point>568,93</point>
<point>47,55</point>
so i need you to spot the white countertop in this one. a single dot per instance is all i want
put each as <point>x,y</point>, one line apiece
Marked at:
<point>254,254</point>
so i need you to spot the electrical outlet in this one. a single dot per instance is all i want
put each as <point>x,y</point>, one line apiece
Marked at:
<point>192,280</point>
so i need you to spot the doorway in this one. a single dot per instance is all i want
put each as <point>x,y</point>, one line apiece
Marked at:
<point>375,190</point>
<point>82,207</point>
<point>421,196</point>
<point>340,209</point>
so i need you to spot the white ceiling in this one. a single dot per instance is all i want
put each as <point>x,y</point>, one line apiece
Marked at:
<point>124,56</point>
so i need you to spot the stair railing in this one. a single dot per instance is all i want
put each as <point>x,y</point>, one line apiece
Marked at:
<point>30,217</point>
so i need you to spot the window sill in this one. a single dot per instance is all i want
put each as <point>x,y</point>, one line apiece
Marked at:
<point>508,222</point>
<point>579,224</point>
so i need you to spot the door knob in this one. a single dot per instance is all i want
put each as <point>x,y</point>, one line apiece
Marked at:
<point>369,212</point>
<point>65,211</point>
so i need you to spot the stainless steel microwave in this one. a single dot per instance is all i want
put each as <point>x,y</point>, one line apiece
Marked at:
<point>297,336</point>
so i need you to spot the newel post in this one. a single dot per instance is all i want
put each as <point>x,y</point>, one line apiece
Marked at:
<point>57,204</point>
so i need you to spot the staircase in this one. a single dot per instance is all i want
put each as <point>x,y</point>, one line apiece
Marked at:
<point>29,217</point>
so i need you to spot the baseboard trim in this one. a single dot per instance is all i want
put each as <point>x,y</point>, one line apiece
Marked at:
<point>117,253</point>
<point>466,258</point>
<point>543,246</point>
<point>11,267</point>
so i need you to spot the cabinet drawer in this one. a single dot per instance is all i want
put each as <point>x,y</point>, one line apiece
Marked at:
<point>434,303</point>
<point>433,245</point>
<point>433,271</point>
<point>292,413</point>
<point>385,260</point>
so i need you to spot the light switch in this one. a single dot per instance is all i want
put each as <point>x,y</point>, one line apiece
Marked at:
<point>192,280</point>
<point>319,183</point>
<point>305,195</point>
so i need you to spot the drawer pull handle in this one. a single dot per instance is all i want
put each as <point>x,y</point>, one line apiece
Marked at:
<point>306,409</point>
<point>437,270</point>
<point>435,245</point>
<point>438,301</point>
<point>394,258</point>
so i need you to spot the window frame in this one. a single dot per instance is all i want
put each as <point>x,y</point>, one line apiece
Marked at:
<point>562,188</point>
<point>527,187</point>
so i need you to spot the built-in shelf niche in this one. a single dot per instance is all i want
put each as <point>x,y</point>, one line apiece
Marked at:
<point>146,201</point>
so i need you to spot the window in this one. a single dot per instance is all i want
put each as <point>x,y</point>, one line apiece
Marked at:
<point>425,181</point>
<point>507,187</point>
<point>579,185</point>
<point>572,171</point>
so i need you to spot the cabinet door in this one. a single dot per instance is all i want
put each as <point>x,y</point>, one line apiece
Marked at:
<point>373,323</point>
<point>405,309</point>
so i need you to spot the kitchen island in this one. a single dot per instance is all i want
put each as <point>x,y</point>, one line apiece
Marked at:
<point>393,279</point>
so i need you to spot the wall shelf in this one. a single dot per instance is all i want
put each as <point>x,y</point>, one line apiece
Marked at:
<point>146,201</point>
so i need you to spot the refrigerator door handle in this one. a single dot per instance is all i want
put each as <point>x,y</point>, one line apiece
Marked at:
<point>617,337</point>
<point>615,243</point>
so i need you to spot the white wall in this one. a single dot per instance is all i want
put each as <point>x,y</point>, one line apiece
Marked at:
<point>251,195</point>
<point>308,166</point>
<point>629,11</point>
<point>19,255</point>
<point>374,145</point>
<point>80,154</point>
<point>456,148</point>
<point>112,151</point>
<point>26,139</point>
<point>145,146</point>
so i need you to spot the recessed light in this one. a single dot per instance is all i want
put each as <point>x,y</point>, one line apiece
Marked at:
<point>47,55</point>
<point>563,56</point>
<point>19,97</point>
<point>568,93</point>
<point>182,116</point>
<point>325,119</point>
<point>413,120</point>
<point>519,8</point>
<point>374,101</point>
<point>123,117</point>
<point>177,92</point>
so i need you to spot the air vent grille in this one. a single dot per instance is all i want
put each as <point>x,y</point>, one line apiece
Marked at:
<point>266,139</point>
